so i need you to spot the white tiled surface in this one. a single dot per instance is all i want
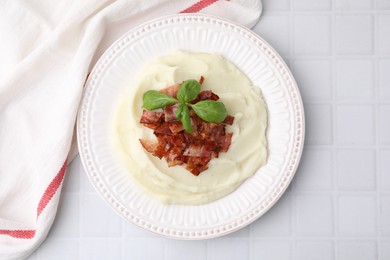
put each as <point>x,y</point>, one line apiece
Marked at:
<point>338,206</point>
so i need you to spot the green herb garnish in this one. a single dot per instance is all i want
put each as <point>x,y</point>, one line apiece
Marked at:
<point>188,90</point>
<point>209,110</point>
<point>154,100</point>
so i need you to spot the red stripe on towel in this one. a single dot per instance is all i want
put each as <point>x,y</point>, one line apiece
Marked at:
<point>198,6</point>
<point>46,197</point>
<point>23,234</point>
<point>51,189</point>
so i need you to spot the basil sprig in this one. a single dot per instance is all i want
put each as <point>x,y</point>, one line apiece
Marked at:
<point>208,110</point>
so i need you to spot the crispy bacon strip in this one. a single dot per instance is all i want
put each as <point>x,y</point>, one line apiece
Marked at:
<point>170,112</point>
<point>229,120</point>
<point>201,80</point>
<point>149,146</point>
<point>151,117</point>
<point>171,90</point>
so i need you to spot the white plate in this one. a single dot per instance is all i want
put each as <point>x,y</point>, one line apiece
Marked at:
<point>112,75</point>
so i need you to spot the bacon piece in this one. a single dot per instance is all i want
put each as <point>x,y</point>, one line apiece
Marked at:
<point>170,112</point>
<point>228,120</point>
<point>176,127</point>
<point>224,142</point>
<point>178,141</point>
<point>171,90</point>
<point>151,117</point>
<point>198,150</point>
<point>148,145</point>
<point>201,80</point>
<point>196,165</point>
<point>205,95</point>
<point>163,129</point>
<point>151,126</point>
<point>162,147</point>
<point>174,157</point>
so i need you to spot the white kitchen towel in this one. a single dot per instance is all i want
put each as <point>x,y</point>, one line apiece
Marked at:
<point>47,49</point>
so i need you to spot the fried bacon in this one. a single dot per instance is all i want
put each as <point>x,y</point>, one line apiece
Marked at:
<point>171,90</point>
<point>178,147</point>
<point>205,95</point>
<point>170,112</point>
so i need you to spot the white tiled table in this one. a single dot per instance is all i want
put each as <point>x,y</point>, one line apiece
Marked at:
<point>338,206</point>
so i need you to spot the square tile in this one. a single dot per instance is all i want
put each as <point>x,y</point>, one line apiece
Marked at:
<point>355,125</point>
<point>314,78</point>
<point>243,232</point>
<point>384,169</point>
<point>355,79</point>
<point>86,185</point>
<point>227,249</point>
<point>384,249</point>
<point>67,221</point>
<point>107,224</point>
<point>384,79</point>
<point>346,5</point>
<point>275,30</point>
<point>276,222</point>
<point>356,170</point>
<point>354,34</point>
<point>100,249</point>
<point>314,215</point>
<point>383,4</point>
<point>192,250</point>
<point>33,256</point>
<point>356,250</point>
<point>319,124</point>
<point>312,35</point>
<point>60,249</point>
<point>383,34</point>
<point>356,216</point>
<point>312,5</point>
<point>272,5</point>
<point>271,250</point>
<point>385,215</point>
<point>144,248</point>
<point>314,250</point>
<point>315,171</point>
<point>384,124</point>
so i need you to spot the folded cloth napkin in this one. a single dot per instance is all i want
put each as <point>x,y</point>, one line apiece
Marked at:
<point>47,49</point>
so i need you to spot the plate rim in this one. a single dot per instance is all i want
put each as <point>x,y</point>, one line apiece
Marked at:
<point>214,231</point>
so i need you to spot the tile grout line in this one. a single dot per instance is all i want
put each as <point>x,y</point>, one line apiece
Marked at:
<point>334,134</point>
<point>123,239</point>
<point>348,146</point>
<point>376,127</point>
<point>330,12</point>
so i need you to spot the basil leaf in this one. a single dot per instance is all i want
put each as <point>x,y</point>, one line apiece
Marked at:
<point>186,119</point>
<point>188,90</point>
<point>210,111</point>
<point>153,99</point>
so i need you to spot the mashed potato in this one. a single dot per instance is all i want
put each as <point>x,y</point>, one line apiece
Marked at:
<point>247,151</point>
